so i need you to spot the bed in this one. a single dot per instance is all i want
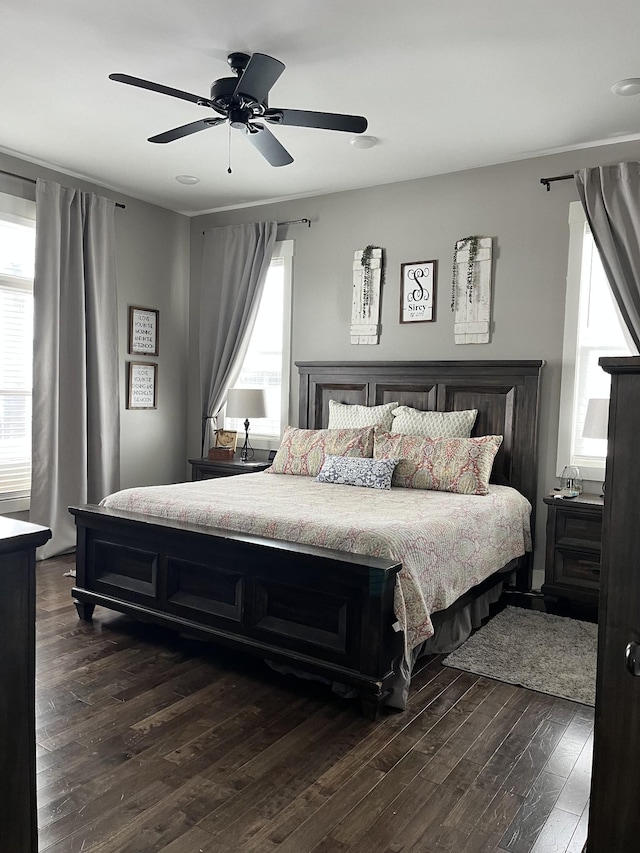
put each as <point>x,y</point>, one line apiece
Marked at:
<point>322,611</point>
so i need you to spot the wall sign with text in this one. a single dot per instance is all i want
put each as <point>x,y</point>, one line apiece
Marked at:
<point>142,385</point>
<point>143,331</point>
<point>417,292</point>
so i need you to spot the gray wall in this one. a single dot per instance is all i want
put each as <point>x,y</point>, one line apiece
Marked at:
<point>414,220</point>
<point>152,252</point>
<point>421,220</point>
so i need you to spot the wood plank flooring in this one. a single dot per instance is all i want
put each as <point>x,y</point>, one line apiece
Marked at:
<point>152,742</point>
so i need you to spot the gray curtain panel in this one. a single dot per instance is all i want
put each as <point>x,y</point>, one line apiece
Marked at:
<point>76,408</point>
<point>235,264</point>
<point>610,196</point>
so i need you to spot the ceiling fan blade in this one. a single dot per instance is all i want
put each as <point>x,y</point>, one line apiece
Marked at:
<point>259,76</point>
<point>186,129</point>
<point>324,121</point>
<point>266,143</point>
<point>157,87</point>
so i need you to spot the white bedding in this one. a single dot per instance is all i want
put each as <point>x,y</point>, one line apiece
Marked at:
<point>447,543</point>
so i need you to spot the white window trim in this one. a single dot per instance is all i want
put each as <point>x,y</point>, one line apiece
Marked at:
<point>283,249</point>
<point>8,505</point>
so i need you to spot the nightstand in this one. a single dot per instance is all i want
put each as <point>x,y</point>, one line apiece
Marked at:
<point>209,469</point>
<point>574,534</point>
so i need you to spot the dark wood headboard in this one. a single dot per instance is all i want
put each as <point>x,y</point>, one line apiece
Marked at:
<point>506,394</point>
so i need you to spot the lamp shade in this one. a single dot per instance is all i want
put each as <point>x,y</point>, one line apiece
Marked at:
<point>246,403</point>
<point>597,418</point>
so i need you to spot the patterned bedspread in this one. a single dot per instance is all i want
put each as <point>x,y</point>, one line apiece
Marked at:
<point>447,543</point>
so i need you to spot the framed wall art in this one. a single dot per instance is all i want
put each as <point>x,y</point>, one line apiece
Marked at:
<point>142,386</point>
<point>417,291</point>
<point>143,331</point>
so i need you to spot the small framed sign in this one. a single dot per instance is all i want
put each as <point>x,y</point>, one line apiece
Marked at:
<point>143,331</point>
<point>142,385</point>
<point>417,292</point>
<point>226,438</point>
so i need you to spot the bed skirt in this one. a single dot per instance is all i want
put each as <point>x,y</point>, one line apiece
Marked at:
<point>449,635</point>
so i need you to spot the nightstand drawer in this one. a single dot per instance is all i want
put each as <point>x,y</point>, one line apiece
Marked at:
<point>577,568</point>
<point>572,564</point>
<point>574,528</point>
<point>214,473</point>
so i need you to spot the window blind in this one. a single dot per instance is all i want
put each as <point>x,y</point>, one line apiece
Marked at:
<point>17,250</point>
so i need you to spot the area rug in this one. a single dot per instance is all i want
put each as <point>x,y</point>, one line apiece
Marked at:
<point>551,654</point>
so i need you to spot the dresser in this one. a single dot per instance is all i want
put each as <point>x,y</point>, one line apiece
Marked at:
<point>209,469</point>
<point>573,551</point>
<point>614,817</point>
<point>18,815</point>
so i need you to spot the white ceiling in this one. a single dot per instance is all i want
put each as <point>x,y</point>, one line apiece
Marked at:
<point>445,84</point>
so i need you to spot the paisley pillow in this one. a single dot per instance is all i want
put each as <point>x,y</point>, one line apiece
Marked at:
<point>461,465</point>
<point>370,473</point>
<point>303,451</point>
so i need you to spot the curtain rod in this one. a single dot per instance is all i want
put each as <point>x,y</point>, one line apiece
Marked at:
<point>548,181</point>
<point>305,221</point>
<point>33,181</point>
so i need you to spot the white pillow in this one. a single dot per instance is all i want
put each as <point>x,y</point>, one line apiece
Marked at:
<point>410,421</point>
<point>352,416</point>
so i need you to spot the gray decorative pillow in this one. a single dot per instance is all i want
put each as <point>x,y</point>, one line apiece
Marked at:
<point>410,421</point>
<point>351,416</point>
<point>351,471</point>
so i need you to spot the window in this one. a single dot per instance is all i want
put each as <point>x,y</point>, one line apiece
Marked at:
<point>593,328</point>
<point>266,362</point>
<point>17,256</point>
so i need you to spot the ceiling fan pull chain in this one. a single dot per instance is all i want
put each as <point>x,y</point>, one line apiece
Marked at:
<point>229,172</point>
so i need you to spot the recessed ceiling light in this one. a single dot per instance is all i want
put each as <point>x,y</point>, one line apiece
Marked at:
<point>628,86</point>
<point>363,141</point>
<point>187,179</point>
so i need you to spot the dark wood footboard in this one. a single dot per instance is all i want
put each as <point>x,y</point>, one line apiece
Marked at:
<point>325,612</point>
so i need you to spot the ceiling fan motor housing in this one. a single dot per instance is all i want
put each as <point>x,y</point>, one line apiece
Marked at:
<point>223,100</point>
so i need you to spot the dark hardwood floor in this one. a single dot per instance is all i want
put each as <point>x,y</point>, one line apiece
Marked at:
<point>152,742</point>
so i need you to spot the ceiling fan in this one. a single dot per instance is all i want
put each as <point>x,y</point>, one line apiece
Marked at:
<point>243,102</point>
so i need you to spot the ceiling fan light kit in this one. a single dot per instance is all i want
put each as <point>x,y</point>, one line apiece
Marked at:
<point>242,101</point>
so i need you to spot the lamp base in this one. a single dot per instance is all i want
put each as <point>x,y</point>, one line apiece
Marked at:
<point>247,453</point>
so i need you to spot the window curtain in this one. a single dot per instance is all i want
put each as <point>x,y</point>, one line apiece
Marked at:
<point>610,196</point>
<point>235,264</point>
<point>76,409</point>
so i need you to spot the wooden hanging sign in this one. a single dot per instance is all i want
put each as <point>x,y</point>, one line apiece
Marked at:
<point>365,304</point>
<point>471,291</point>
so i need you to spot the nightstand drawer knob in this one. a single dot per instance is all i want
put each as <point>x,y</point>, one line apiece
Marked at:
<point>632,658</point>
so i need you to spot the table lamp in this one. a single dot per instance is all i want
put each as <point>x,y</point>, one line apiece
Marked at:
<point>246,403</point>
<point>596,419</point>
